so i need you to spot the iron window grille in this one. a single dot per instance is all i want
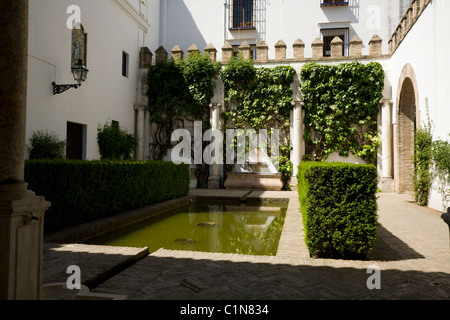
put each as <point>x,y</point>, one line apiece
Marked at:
<point>329,34</point>
<point>333,3</point>
<point>242,14</point>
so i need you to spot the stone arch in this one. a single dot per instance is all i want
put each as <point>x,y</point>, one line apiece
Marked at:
<point>407,119</point>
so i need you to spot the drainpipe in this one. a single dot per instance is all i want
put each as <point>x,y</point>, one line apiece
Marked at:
<point>446,217</point>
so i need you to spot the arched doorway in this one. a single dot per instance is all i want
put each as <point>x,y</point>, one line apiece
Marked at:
<point>406,122</point>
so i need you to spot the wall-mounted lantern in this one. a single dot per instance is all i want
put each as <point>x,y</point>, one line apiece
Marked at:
<point>79,74</point>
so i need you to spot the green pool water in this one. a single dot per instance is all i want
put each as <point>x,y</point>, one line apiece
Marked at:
<point>208,227</point>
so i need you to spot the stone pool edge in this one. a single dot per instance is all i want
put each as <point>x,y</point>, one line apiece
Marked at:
<point>291,240</point>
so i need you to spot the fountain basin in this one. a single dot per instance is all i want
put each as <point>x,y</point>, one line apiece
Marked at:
<point>254,181</point>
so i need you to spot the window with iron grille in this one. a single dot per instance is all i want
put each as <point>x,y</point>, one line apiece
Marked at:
<point>326,3</point>
<point>328,36</point>
<point>242,14</point>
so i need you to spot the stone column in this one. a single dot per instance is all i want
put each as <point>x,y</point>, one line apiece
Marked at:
<point>387,183</point>
<point>214,177</point>
<point>386,138</point>
<point>146,134</point>
<point>297,139</point>
<point>140,105</point>
<point>21,211</point>
<point>140,130</point>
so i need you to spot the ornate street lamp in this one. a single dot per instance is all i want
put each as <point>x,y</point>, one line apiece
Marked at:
<point>79,74</point>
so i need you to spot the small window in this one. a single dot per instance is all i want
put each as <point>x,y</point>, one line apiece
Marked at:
<point>243,14</point>
<point>125,63</point>
<point>328,36</point>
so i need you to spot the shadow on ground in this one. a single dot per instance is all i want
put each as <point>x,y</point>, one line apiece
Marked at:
<point>388,247</point>
<point>166,278</point>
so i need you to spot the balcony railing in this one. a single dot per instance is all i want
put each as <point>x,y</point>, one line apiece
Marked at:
<point>333,3</point>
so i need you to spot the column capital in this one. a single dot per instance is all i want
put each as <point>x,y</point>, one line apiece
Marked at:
<point>214,105</point>
<point>386,102</point>
<point>140,107</point>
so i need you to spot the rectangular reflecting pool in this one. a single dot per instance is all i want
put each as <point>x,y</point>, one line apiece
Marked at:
<point>219,226</point>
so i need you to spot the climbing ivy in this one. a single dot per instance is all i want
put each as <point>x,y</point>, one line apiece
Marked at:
<point>179,90</point>
<point>341,109</point>
<point>441,160</point>
<point>431,161</point>
<point>260,98</point>
<point>422,160</point>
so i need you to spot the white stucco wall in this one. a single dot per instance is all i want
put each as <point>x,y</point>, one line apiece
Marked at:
<point>425,48</point>
<point>106,94</point>
<point>187,22</point>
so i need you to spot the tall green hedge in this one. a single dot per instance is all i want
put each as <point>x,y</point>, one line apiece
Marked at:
<point>81,191</point>
<point>339,208</point>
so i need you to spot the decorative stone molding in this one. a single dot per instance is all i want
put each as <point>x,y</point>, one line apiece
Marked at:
<point>299,49</point>
<point>356,47</point>
<point>161,55</point>
<point>211,51</point>
<point>409,19</point>
<point>193,49</point>
<point>317,48</point>
<point>262,50</point>
<point>177,53</point>
<point>227,52</point>
<point>245,50</point>
<point>375,46</point>
<point>336,47</point>
<point>280,50</point>
<point>145,58</point>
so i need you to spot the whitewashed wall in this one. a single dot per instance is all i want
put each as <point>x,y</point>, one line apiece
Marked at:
<point>187,22</point>
<point>426,49</point>
<point>106,95</point>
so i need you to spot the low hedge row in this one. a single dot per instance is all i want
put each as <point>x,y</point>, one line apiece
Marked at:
<point>339,208</point>
<point>81,191</point>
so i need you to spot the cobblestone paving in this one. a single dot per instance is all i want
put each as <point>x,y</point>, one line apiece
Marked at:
<point>412,254</point>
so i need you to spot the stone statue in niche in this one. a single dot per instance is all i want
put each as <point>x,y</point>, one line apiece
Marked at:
<point>79,45</point>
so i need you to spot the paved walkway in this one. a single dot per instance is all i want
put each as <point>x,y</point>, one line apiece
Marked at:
<point>412,253</point>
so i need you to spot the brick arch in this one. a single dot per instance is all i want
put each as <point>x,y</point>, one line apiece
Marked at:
<point>407,118</point>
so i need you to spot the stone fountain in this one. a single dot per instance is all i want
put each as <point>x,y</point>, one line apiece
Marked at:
<point>257,174</point>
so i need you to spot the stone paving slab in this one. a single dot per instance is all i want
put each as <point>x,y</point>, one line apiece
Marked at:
<point>412,253</point>
<point>97,263</point>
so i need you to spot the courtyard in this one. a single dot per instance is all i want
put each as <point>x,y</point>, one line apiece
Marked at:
<point>411,253</point>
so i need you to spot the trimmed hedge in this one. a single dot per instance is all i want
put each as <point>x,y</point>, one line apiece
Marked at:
<point>81,191</point>
<point>339,208</point>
